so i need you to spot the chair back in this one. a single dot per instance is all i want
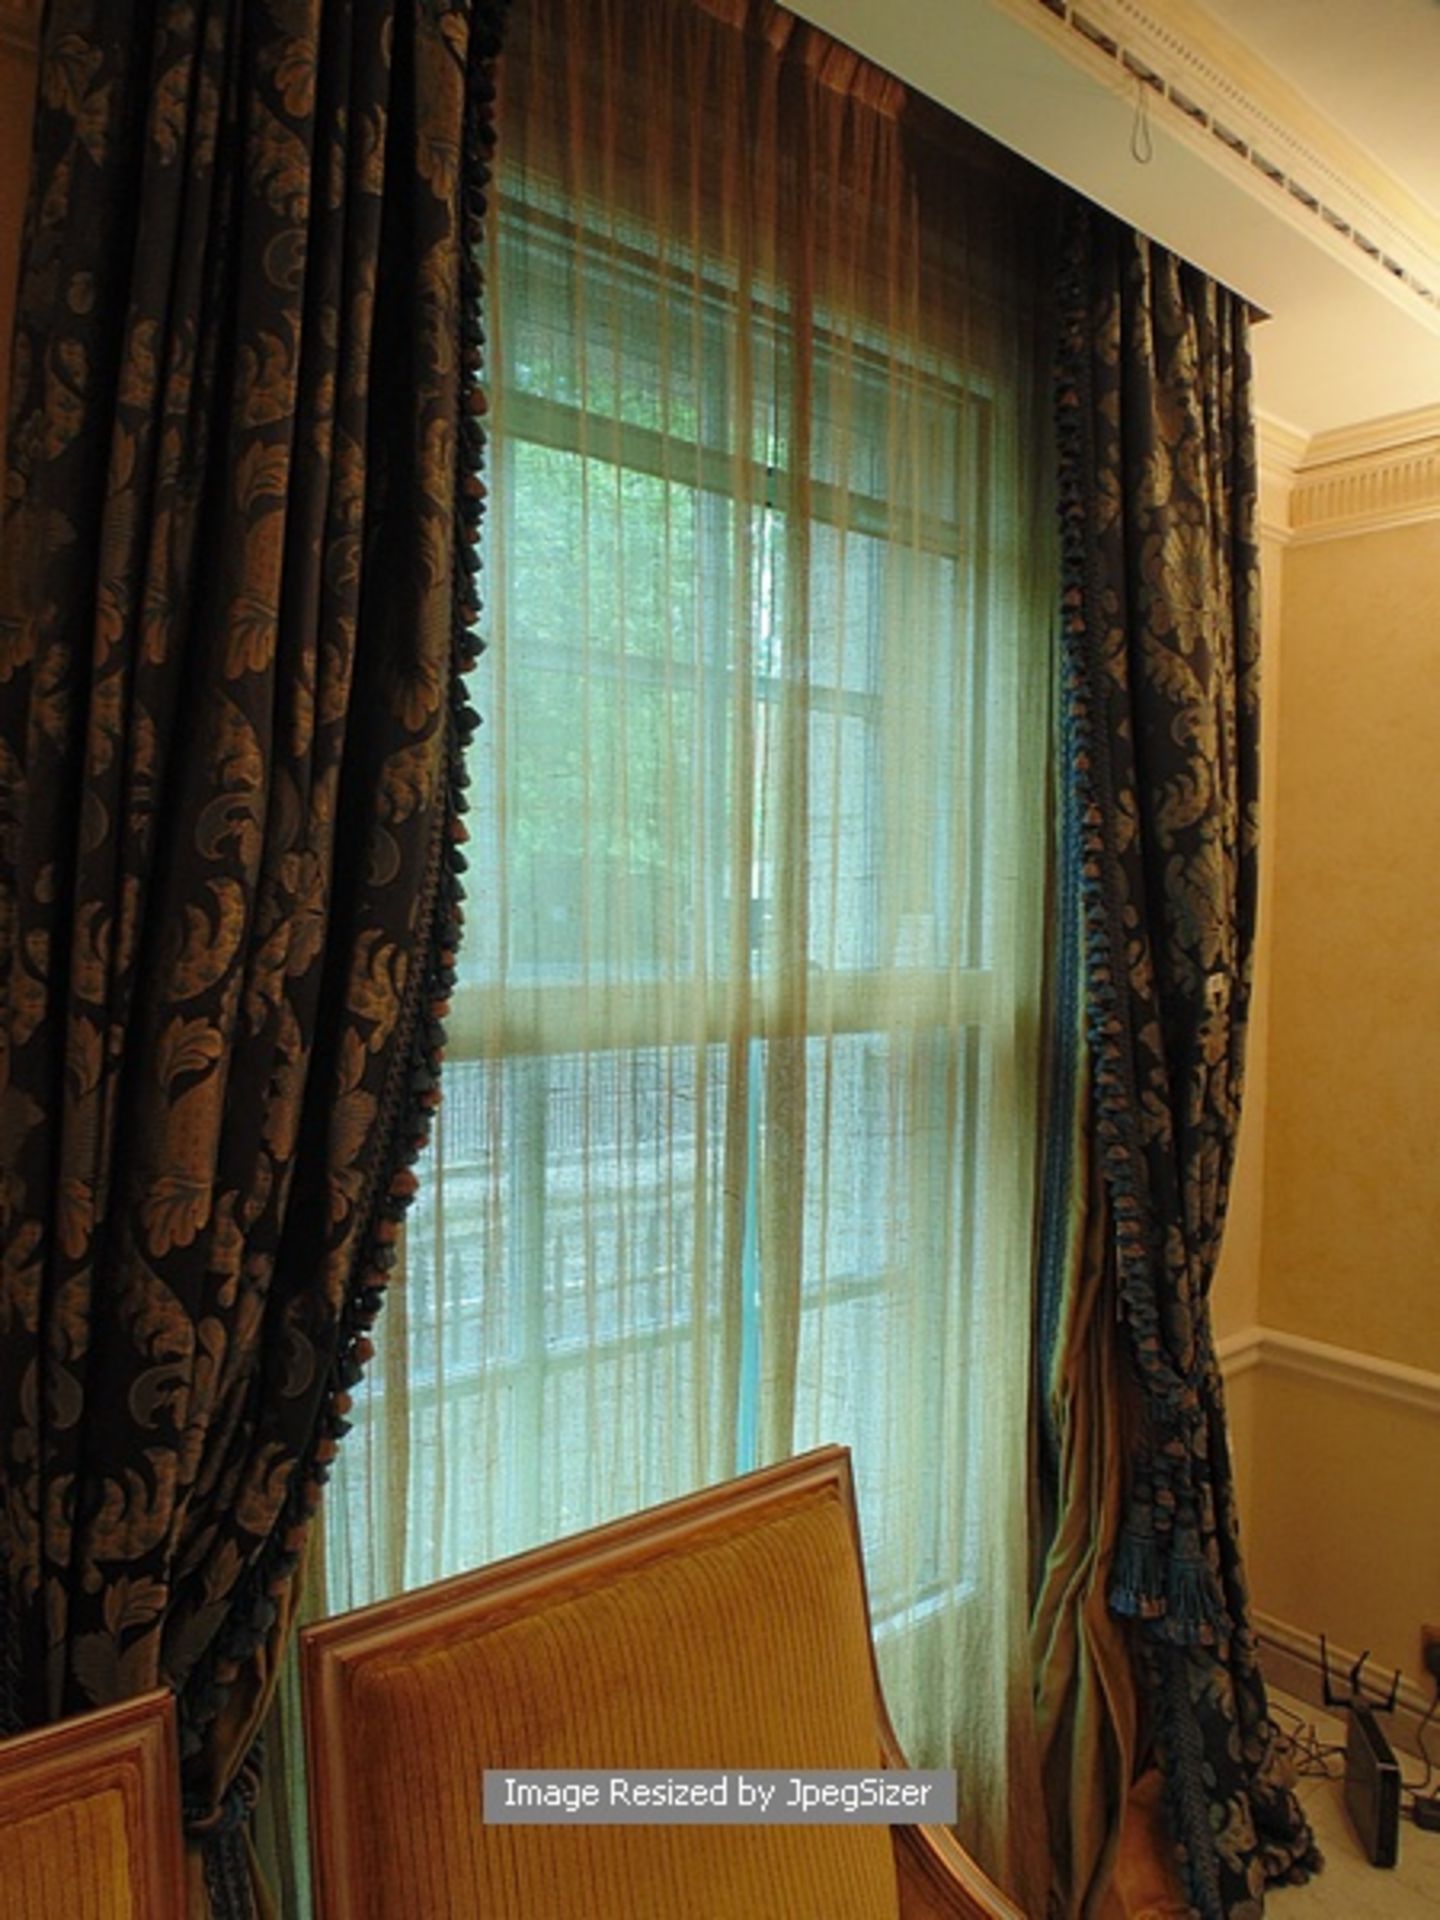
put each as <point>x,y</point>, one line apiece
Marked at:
<point>90,1825</point>
<point>725,1630</point>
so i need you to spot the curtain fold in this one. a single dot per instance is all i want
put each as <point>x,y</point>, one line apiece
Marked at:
<point>737,1153</point>
<point>236,598</point>
<point>279,1826</point>
<point>1088,1714</point>
<point>1161,642</point>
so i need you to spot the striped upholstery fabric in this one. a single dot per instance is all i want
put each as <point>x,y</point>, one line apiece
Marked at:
<point>751,1650</point>
<point>71,1862</point>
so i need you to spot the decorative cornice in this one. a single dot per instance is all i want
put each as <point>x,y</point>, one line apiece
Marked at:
<point>1213,88</point>
<point>1367,494</point>
<point>1280,449</point>
<point>1358,479</point>
<point>20,25</point>
<point>1369,439</point>
<point>1281,446</point>
<point>1272,1348</point>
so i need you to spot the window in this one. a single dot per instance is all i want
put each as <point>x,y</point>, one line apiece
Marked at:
<point>735,1151</point>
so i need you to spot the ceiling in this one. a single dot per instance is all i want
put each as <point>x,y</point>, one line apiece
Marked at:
<point>1371,66</point>
<point>1343,94</point>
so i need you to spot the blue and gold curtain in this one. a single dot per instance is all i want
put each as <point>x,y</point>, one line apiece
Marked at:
<point>236,603</point>
<point>1161,612</point>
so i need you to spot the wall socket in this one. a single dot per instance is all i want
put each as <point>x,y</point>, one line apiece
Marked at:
<point>1430,1651</point>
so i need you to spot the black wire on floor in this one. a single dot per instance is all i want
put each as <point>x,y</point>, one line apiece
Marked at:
<point>1313,1757</point>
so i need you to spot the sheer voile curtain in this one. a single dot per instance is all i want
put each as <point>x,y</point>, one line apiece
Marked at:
<point>737,1148</point>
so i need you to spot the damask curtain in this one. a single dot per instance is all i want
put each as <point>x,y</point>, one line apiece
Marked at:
<point>737,1151</point>
<point>1161,621</point>
<point>237,597</point>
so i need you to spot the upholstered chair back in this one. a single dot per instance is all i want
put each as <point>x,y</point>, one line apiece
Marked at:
<point>90,1823</point>
<point>725,1631</point>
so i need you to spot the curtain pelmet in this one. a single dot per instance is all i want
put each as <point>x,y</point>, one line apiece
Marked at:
<point>1161,636</point>
<point>236,601</point>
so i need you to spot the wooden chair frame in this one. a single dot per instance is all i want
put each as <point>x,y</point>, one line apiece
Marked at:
<point>929,1860</point>
<point>131,1747</point>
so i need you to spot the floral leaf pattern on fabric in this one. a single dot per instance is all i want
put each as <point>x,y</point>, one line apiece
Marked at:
<point>1161,609</point>
<point>236,599</point>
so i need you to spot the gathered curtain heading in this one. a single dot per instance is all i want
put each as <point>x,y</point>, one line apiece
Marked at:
<point>833,63</point>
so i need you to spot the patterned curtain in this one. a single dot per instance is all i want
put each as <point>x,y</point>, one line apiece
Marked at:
<point>237,598</point>
<point>1161,623</point>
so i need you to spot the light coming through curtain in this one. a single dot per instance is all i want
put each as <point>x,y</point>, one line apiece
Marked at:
<point>737,1148</point>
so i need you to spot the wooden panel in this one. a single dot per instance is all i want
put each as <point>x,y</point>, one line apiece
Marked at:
<point>116,1773</point>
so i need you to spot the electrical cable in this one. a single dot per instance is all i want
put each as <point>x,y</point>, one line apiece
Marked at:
<point>1309,1755</point>
<point>1424,1806</point>
<point>1314,1758</point>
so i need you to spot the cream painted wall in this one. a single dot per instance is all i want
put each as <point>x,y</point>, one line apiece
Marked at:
<point>1342,1482</point>
<point>1352,1223</point>
<point>1343,1533</point>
